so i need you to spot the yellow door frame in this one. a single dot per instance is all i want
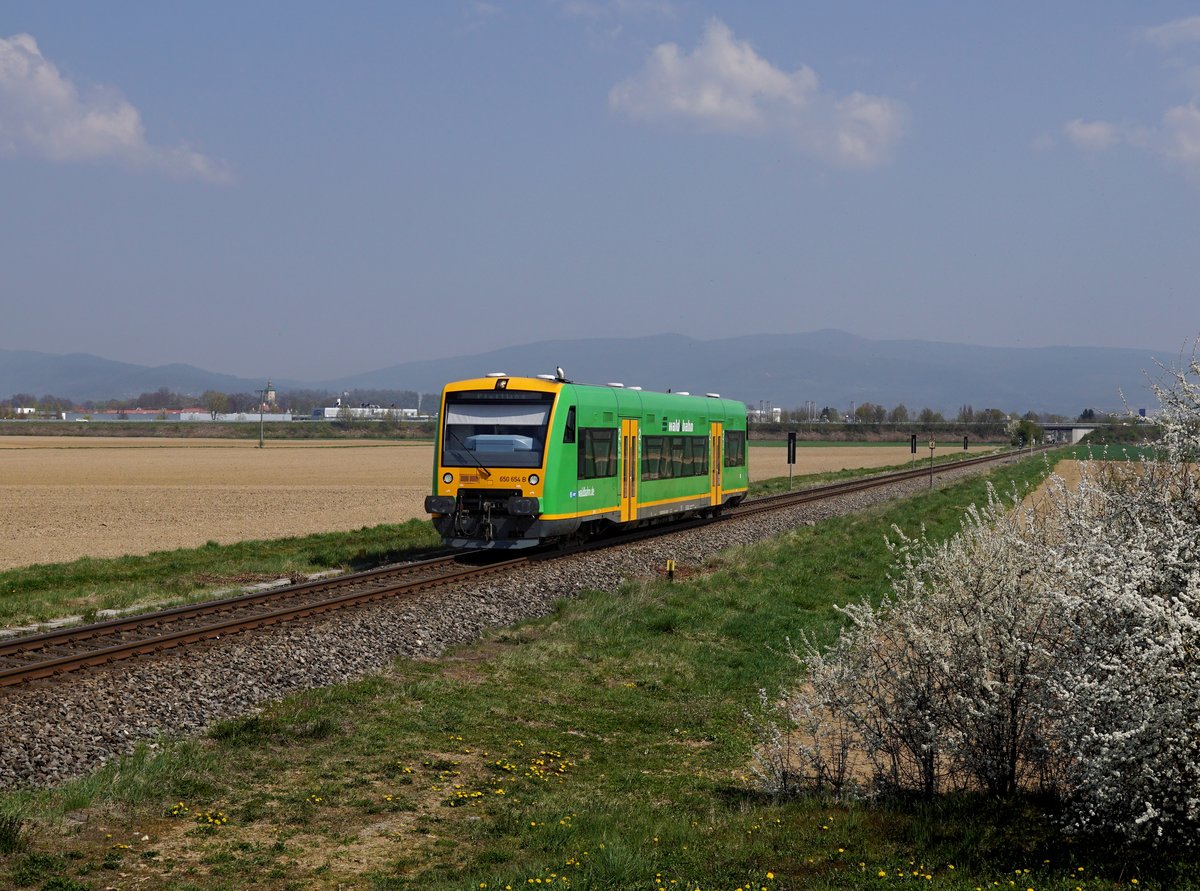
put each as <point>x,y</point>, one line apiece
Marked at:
<point>629,469</point>
<point>718,461</point>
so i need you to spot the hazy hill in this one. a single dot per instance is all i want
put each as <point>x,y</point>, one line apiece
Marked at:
<point>826,367</point>
<point>81,376</point>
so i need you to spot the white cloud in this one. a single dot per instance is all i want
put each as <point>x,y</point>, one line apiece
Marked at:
<point>44,115</point>
<point>1181,138</point>
<point>1091,136</point>
<point>725,85</point>
<point>1175,33</point>
<point>1176,139</point>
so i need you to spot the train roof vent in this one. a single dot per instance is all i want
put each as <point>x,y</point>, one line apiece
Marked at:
<point>547,377</point>
<point>682,393</point>
<point>713,395</point>
<point>617,385</point>
<point>497,374</point>
<point>639,389</point>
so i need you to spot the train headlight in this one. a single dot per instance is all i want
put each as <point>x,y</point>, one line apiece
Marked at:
<point>447,478</point>
<point>534,479</point>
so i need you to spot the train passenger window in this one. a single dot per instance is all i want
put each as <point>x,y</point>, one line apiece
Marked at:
<point>569,432</point>
<point>597,453</point>
<point>735,448</point>
<point>652,458</point>
<point>674,457</point>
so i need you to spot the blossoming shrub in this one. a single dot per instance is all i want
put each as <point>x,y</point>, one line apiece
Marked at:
<point>1055,650</point>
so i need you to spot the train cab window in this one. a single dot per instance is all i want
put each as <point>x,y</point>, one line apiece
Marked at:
<point>597,453</point>
<point>569,432</point>
<point>735,448</point>
<point>495,428</point>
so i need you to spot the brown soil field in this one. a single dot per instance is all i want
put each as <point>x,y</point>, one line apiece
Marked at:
<point>1071,473</point>
<point>61,499</point>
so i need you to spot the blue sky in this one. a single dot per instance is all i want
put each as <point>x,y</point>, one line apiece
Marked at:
<point>308,189</point>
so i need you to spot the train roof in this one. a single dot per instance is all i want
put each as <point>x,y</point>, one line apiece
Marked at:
<point>623,395</point>
<point>550,384</point>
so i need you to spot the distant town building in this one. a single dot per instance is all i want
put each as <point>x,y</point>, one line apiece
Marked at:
<point>365,412</point>
<point>765,415</point>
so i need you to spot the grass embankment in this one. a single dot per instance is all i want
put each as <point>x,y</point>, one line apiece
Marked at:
<point>82,587</point>
<point>604,747</point>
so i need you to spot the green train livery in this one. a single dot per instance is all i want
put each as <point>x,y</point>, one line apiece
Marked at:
<point>524,460</point>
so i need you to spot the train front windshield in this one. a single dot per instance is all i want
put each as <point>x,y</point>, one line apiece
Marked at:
<point>495,428</point>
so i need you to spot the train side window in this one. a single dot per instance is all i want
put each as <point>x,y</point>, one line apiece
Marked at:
<point>569,432</point>
<point>654,463</point>
<point>735,448</point>
<point>674,457</point>
<point>597,453</point>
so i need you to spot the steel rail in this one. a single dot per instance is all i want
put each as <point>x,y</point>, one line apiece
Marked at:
<point>365,587</point>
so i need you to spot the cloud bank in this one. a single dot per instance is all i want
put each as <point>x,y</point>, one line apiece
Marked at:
<point>44,115</point>
<point>724,85</point>
<point>1176,137</point>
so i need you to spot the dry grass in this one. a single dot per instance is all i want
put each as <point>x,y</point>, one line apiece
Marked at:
<point>106,497</point>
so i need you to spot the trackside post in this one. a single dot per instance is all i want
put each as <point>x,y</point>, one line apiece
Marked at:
<point>791,456</point>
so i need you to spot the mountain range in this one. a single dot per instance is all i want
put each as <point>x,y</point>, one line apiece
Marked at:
<point>787,370</point>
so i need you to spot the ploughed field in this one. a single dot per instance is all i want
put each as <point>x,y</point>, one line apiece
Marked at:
<point>64,498</point>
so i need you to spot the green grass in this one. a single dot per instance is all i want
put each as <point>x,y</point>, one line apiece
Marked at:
<point>1115,452</point>
<point>606,744</point>
<point>47,591</point>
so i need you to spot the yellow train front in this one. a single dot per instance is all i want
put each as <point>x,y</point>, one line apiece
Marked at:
<point>524,460</point>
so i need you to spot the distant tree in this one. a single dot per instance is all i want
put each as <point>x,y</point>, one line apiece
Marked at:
<point>1088,414</point>
<point>829,413</point>
<point>929,416</point>
<point>243,403</point>
<point>899,414</point>
<point>161,399</point>
<point>870,413</point>
<point>1031,416</point>
<point>991,416</point>
<point>966,414</point>
<point>1025,432</point>
<point>214,402</point>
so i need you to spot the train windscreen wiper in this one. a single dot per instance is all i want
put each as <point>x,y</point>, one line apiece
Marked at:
<point>486,473</point>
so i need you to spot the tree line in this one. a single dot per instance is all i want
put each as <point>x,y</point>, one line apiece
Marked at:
<point>298,402</point>
<point>872,413</point>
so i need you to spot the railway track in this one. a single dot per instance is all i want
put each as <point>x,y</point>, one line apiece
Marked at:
<point>48,655</point>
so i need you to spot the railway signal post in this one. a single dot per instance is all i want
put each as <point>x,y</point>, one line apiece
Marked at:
<point>791,456</point>
<point>932,446</point>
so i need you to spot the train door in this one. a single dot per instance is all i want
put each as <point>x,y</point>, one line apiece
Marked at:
<point>716,462</point>
<point>629,469</point>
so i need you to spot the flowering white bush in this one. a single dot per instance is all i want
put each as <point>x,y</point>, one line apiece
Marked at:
<point>1055,649</point>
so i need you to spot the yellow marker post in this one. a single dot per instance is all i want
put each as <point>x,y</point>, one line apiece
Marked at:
<point>670,570</point>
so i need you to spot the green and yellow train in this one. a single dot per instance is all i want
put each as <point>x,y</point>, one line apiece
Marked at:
<point>520,461</point>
